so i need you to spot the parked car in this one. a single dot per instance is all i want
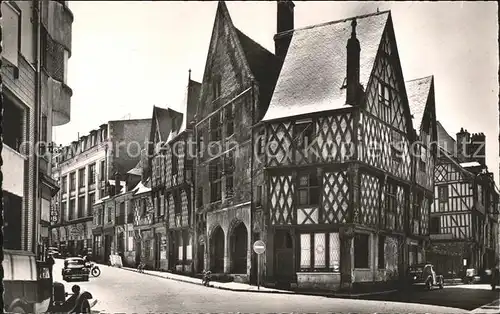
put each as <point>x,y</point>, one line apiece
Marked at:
<point>29,288</point>
<point>75,268</point>
<point>424,275</point>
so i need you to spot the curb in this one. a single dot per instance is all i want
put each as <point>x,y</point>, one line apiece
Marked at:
<point>334,295</point>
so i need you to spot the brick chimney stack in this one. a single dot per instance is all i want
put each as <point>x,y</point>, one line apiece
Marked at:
<point>477,148</point>
<point>463,139</point>
<point>285,22</point>
<point>353,52</point>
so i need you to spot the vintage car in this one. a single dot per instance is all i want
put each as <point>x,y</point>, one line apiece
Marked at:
<point>54,252</point>
<point>75,268</point>
<point>29,287</point>
<point>424,275</point>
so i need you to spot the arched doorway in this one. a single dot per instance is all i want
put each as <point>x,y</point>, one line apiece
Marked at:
<point>239,248</point>
<point>217,251</point>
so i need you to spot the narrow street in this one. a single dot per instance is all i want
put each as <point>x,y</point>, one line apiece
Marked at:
<point>122,291</point>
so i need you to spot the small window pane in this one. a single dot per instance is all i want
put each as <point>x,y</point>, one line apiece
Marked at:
<point>334,251</point>
<point>319,250</point>
<point>305,251</point>
<point>303,197</point>
<point>304,180</point>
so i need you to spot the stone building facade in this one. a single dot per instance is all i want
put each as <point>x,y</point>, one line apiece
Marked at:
<point>85,170</point>
<point>36,97</point>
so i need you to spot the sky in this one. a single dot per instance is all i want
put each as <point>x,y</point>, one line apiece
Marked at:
<point>128,56</point>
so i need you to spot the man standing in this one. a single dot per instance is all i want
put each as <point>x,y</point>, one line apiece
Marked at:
<point>50,262</point>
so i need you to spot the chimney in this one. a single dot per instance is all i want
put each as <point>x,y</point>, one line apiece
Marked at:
<point>285,16</point>
<point>477,148</point>
<point>285,20</point>
<point>353,50</point>
<point>463,139</point>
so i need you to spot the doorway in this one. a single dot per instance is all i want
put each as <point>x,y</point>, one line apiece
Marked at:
<point>217,250</point>
<point>284,261</point>
<point>239,249</point>
<point>172,250</point>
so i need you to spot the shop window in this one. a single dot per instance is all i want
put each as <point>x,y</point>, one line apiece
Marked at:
<point>319,251</point>
<point>362,251</point>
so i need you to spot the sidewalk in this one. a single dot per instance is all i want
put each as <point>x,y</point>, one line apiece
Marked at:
<point>232,286</point>
<point>242,287</point>
<point>491,308</point>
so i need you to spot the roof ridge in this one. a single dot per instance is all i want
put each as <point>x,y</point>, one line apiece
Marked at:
<point>420,78</point>
<point>334,22</point>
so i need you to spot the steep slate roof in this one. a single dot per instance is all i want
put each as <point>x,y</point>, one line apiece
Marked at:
<point>316,63</point>
<point>259,62</point>
<point>445,140</point>
<point>417,91</point>
<point>161,120</point>
<point>262,63</point>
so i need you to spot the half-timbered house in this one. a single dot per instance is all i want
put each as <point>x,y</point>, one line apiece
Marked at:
<point>423,108</point>
<point>143,213</point>
<point>339,171</point>
<point>163,122</point>
<point>237,83</point>
<point>464,218</point>
<point>178,185</point>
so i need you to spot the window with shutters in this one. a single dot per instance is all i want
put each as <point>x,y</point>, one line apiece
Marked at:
<point>228,173</point>
<point>215,173</point>
<point>362,250</point>
<point>319,252</point>
<point>308,189</point>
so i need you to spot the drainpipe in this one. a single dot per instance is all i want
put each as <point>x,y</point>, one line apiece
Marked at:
<point>251,181</point>
<point>37,5</point>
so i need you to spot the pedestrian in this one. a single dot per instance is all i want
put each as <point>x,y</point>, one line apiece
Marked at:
<point>50,262</point>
